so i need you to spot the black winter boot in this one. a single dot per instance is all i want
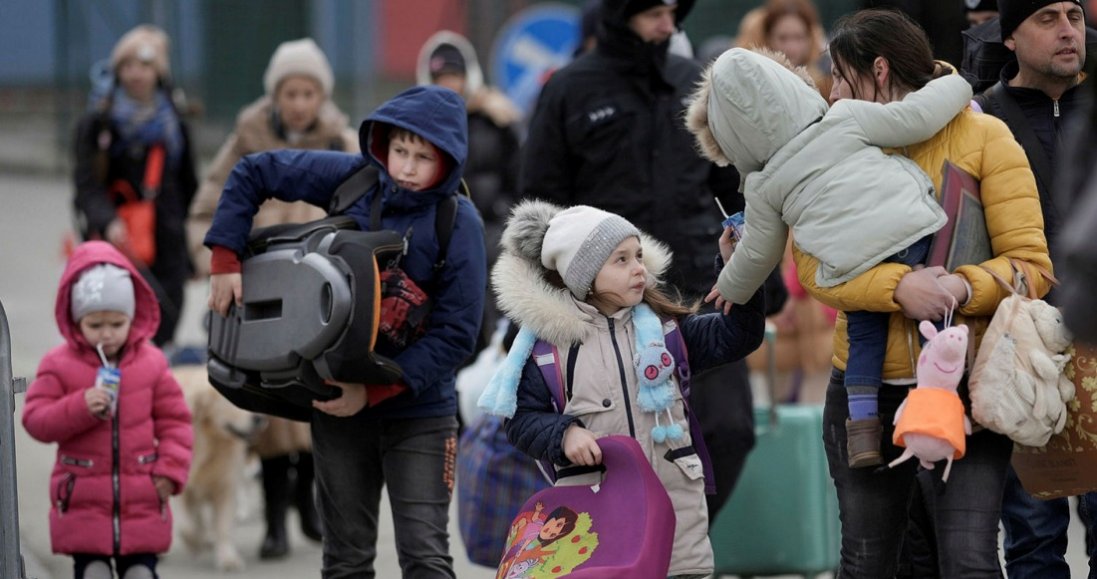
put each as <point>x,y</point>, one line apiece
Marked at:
<point>276,495</point>
<point>305,499</point>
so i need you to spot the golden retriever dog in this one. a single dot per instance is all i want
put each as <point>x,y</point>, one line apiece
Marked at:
<point>222,435</point>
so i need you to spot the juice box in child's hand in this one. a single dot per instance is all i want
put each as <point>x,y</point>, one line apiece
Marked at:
<point>736,222</point>
<point>108,379</point>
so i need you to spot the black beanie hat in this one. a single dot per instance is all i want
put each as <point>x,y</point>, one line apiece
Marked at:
<point>980,5</point>
<point>637,6</point>
<point>1011,13</point>
<point>446,59</point>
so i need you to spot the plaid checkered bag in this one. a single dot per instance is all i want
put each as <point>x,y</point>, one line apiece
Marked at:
<point>489,466</point>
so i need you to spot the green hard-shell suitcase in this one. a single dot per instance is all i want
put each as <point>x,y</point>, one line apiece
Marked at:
<point>782,517</point>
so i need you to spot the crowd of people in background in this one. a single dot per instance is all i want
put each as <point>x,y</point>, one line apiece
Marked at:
<point>582,205</point>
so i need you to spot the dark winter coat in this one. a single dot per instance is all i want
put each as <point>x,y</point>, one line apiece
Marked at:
<point>102,497</point>
<point>608,132</point>
<point>95,210</point>
<point>1050,121</point>
<point>1077,189</point>
<point>437,114</point>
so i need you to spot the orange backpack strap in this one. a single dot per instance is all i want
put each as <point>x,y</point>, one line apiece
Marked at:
<point>154,171</point>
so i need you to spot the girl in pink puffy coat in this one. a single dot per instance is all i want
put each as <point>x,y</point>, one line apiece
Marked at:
<point>122,451</point>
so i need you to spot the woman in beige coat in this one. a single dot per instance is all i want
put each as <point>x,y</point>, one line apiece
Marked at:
<point>295,113</point>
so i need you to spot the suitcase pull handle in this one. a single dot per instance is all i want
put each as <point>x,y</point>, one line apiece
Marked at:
<point>771,371</point>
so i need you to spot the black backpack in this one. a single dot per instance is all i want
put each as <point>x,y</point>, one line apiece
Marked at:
<point>312,308</point>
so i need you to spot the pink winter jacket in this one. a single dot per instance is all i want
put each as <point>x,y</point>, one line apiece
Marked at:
<point>150,435</point>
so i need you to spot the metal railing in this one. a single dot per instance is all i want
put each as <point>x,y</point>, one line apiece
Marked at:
<point>11,559</point>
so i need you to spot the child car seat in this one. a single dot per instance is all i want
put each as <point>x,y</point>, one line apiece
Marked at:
<point>310,313</point>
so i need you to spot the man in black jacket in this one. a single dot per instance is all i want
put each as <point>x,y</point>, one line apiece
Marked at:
<point>608,132</point>
<point>1040,96</point>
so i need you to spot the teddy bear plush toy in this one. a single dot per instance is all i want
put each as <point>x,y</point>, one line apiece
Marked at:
<point>1018,387</point>
<point>1057,338</point>
<point>931,423</point>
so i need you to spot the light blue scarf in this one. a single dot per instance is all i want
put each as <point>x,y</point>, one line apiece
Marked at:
<point>654,369</point>
<point>147,125</point>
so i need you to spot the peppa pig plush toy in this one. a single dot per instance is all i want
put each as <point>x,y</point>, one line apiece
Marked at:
<point>931,423</point>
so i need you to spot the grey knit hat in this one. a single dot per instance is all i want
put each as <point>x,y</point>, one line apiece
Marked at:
<point>102,288</point>
<point>578,242</point>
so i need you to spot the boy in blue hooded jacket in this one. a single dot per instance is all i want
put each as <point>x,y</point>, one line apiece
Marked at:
<point>418,140</point>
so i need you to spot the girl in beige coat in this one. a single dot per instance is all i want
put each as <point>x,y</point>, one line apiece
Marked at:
<point>588,282</point>
<point>295,113</point>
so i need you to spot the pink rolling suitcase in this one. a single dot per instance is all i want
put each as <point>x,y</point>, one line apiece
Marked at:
<point>621,528</point>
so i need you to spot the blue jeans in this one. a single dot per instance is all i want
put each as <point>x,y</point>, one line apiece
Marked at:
<point>868,331</point>
<point>1036,532</point>
<point>959,529</point>
<point>355,457</point>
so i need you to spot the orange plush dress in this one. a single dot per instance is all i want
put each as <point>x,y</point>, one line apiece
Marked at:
<point>933,412</point>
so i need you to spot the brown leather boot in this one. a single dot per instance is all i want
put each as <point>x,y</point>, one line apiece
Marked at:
<point>863,442</point>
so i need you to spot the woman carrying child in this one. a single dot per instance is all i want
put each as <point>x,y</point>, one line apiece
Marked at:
<point>882,56</point>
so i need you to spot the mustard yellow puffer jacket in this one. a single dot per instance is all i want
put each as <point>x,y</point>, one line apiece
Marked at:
<point>983,146</point>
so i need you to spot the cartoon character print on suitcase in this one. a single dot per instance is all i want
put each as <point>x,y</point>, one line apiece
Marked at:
<point>550,544</point>
<point>621,527</point>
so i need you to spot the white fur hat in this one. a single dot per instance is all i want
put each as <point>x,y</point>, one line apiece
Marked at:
<point>301,57</point>
<point>102,288</point>
<point>578,242</point>
<point>146,43</point>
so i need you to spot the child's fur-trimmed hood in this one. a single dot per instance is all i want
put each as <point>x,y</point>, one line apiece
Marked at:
<point>522,287</point>
<point>748,104</point>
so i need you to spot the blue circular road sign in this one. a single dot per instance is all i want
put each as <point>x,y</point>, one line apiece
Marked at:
<point>533,42</point>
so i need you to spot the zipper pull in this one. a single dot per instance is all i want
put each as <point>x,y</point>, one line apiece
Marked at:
<point>1056,106</point>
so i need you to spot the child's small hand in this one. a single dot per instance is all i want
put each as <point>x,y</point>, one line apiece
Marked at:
<point>352,401</point>
<point>98,401</point>
<point>721,303</point>
<point>164,487</point>
<point>727,243</point>
<point>224,289</point>
<point>581,446</point>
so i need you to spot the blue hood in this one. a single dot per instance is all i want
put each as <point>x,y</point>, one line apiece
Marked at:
<point>437,114</point>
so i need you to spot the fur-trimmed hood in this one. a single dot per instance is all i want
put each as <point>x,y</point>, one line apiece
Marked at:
<point>522,287</point>
<point>748,105</point>
<point>480,98</point>
<point>474,76</point>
